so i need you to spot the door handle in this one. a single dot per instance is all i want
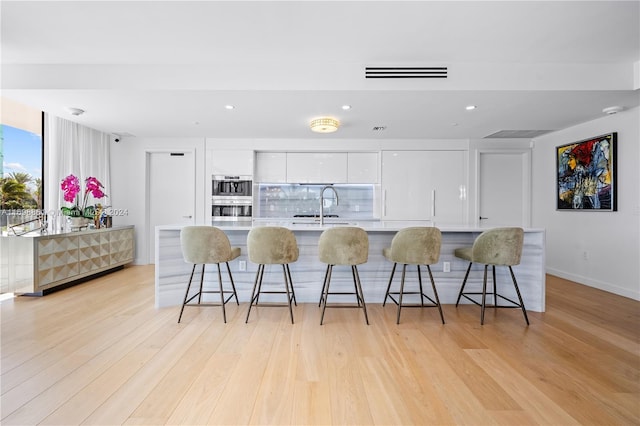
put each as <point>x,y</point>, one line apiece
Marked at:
<point>187,217</point>
<point>483,218</point>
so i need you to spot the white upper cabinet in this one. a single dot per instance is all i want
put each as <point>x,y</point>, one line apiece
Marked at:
<point>231,163</point>
<point>271,167</point>
<point>317,167</point>
<point>362,167</point>
<point>424,185</point>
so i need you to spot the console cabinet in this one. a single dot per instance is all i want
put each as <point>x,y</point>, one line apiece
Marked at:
<point>39,263</point>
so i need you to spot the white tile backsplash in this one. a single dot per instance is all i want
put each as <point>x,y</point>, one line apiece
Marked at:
<point>287,200</point>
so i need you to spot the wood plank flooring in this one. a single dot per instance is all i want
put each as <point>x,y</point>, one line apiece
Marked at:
<point>100,353</point>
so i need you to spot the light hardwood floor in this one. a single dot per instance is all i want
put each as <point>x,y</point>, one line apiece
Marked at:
<point>100,353</point>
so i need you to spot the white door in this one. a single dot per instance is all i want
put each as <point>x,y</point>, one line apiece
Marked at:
<point>171,188</point>
<point>504,192</point>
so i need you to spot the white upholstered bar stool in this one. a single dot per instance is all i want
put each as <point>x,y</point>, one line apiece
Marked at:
<point>202,245</point>
<point>272,245</point>
<point>414,246</point>
<point>495,247</point>
<point>343,245</point>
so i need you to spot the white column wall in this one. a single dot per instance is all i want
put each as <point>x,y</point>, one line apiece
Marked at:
<point>611,239</point>
<point>128,178</point>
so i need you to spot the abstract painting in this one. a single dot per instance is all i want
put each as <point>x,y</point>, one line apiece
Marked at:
<point>586,172</point>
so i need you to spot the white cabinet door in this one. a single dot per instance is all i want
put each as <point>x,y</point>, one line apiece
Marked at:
<point>404,194</point>
<point>362,167</point>
<point>231,163</point>
<point>271,167</point>
<point>317,167</point>
<point>447,177</point>
<point>423,185</point>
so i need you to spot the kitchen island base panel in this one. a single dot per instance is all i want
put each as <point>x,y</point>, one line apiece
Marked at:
<point>172,273</point>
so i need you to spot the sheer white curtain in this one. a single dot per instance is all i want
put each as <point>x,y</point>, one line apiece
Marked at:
<point>71,148</point>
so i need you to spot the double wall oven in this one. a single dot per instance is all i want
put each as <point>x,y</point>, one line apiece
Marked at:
<point>231,198</point>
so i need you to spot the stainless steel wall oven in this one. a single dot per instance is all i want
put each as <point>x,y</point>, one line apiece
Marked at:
<point>231,198</point>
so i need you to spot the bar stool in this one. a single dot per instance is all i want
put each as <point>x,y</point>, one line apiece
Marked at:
<point>495,247</point>
<point>207,245</point>
<point>272,245</point>
<point>343,245</point>
<point>414,246</point>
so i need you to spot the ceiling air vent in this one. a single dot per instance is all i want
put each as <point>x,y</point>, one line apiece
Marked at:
<point>405,72</point>
<point>515,134</point>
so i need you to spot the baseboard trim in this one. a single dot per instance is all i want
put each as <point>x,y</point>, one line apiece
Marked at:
<point>600,285</point>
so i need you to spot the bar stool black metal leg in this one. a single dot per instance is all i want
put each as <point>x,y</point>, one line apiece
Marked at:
<point>524,311</point>
<point>355,287</point>
<point>286,285</point>
<point>435,292</point>
<point>484,294</point>
<point>359,286</point>
<point>420,285</point>
<point>464,282</point>
<point>293,292</point>
<point>224,312</point>
<point>186,294</point>
<point>253,293</point>
<point>393,271</point>
<point>404,273</point>
<point>233,285</point>
<point>201,282</point>
<point>495,293</point>
<point>327,279</point>
<point>324,284</point>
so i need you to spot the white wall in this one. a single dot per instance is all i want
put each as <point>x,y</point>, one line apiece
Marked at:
<point>128,180</point>
<point>611,239</point>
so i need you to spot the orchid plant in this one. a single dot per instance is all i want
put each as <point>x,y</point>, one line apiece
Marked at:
<point>71,189</point>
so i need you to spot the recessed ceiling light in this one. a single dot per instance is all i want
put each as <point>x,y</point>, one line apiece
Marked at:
<point>346,107</point>
<point>613,110</point>
<point>229,106</point>
<point>75,111</point>
<point>470,107</point>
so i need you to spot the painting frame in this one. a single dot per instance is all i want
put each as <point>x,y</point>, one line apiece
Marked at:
<point>586,174</point>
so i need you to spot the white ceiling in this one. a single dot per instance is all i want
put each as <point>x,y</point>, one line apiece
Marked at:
<point>156,68</point>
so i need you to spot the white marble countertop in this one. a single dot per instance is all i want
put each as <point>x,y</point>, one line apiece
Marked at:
<point>311,226</point>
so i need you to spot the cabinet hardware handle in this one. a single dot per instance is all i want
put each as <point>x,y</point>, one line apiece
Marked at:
<point>433,203</point>
<point>384,203</point>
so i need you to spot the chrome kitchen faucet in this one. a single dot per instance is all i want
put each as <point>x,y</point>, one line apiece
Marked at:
<point>322,201</point>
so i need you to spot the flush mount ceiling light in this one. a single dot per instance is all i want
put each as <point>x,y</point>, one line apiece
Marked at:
<point>75,111</point>
<point>324,125</point>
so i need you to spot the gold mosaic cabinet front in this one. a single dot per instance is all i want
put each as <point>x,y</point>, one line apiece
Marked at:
<point>62,258</point>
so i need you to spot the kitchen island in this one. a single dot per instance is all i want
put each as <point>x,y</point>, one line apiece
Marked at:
<point>172,273</point>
